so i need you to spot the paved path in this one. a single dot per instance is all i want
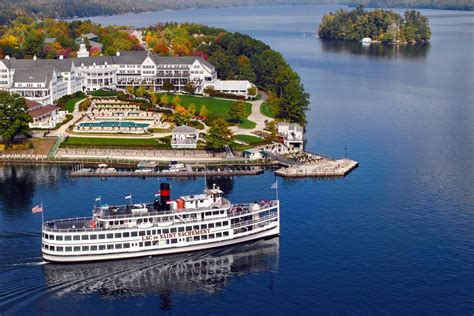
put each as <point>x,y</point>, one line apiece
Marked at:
<point>76,115</point>
<point>256,116</point>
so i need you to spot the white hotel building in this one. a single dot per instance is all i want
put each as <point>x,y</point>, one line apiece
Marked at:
<point>46,80</point>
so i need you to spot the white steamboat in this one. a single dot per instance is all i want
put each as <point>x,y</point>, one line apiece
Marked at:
<point>189,223</point>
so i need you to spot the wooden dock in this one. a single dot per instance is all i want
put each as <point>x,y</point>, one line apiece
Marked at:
<point>86,172</point>
<point>337,168</point>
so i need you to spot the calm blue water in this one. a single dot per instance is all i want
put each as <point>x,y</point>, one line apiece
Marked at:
<point>394,237</point>
<point>114,124</point>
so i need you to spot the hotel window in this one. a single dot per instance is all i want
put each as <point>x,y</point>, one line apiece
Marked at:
<point>134,234</point>
<point>77,248</point>
<point>94,248</point>
<point>68,249</point>
<point>101,236</point>
<point>110,247</point>
<point>59,248</point>
<point>93,237</point>
<point>67,237</point>
<point>101,247</point>
<point>125,235</point>
<point>85,237</point>
<point>85,248</point>
<point>118,235</point>
<point>76,237</point>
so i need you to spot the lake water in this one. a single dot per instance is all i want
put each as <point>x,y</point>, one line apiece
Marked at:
<point>394,237</point>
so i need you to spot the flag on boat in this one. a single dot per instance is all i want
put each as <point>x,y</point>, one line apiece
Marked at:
<point>128,197</point>
<point>97,199</point>
<point>157,194</point>
<point>274,185</point>
<point>37,209</point>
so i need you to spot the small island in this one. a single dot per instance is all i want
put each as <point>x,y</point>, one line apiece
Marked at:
<point>375,26</point>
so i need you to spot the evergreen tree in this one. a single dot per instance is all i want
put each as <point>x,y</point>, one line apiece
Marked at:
<point>14,117</point>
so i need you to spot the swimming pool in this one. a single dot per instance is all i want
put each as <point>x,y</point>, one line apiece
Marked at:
<point>114,124</point>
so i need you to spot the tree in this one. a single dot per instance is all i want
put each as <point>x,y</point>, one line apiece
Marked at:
<point>153,97</point>
<point>237,111</point>
<point>190,88</point>
<point>14,117</point>
<point>131,90</point>
<point>209,90</point>
<point>252,91</point>
<point>203,112</point>
<point>192,109</point>
<point>164,100</point>
<point>182,116</point>
<point>168,86</point>
<point>140,92</point>
<point>176,100</point>
<point>219,135</point>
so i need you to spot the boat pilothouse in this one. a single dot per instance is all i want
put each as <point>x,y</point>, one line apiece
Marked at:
<point>165,226</point>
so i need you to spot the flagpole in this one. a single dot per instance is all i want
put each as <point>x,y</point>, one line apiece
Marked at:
<point>42,217</point>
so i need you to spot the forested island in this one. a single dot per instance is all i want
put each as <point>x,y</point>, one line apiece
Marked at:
<point>378,25</point>
<point>235,55</point>
<point>465,5</point>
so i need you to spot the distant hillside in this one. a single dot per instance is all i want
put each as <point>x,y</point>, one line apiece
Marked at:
<point>465,5</point>
<point>10,9</point>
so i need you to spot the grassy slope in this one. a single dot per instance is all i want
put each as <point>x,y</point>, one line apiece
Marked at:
<point>267,110</point>
<point>118,142</point>
<point>70,104</point>
<point>249,139</point>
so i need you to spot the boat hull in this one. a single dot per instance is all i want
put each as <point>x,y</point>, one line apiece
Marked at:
<point>274,231</point>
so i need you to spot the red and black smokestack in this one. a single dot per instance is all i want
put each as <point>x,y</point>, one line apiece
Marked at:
<point>165,195</point>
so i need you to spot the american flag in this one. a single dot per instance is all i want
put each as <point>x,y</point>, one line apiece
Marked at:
<point>37,209</point>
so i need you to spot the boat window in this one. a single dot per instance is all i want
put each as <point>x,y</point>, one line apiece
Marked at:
<point>67,237</point>
<point>225,223</point>
<point>77,248</point>
<point>147,243</point>
<point>218,235</point>
<point>208,213</point>
<point>59,248</point>
<point>46,246</point>
<point>140,244</point>
<point>174,241</point>
<point>76,237</point>
<point>134,234</point>
<point>166,231</point>
<point>203,237</point>
<point>196,238</point>
<point>59,237</point>
<point>111,222</point>
<point>101,247</point>
<point>126,235</point>
<point>126,245</point>
<point>110,236</point>
<point>188,228</point>
<point>85,237</point>
<point>45,236</point>
<point>85,248</point>
<point>68,249</point>
<point>218,224</point>
<point>94,248</point>
<point>215,213</point>
<point>148,232</point>
<point>203,226</point>
<point>196,227</point>
<point>118,235</point>
<point>181,229</point>
<point>158,231</point>
<point>153,232</point>
<point>211,225</point>
<point>141,233</point>
<point>121,222</point>
<point>110,247</point>
<point>173,230</point>
<point>101,236</point>
<point>93,236</point>
<point>226,234</point>
<point>51,237</point>
<point>118,246</point>
<point>211,236</point>
<point>222,211</point>
<point>188,239</point>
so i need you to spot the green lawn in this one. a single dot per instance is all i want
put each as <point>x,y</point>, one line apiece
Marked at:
<point>116,142</point>
<point>249,139</point>
<point>69,106</point>
<point>267,110</point>
<point>104,93</point>
<point>215,107</point>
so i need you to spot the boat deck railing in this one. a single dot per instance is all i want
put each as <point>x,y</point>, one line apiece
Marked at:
<point>255,221</point>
